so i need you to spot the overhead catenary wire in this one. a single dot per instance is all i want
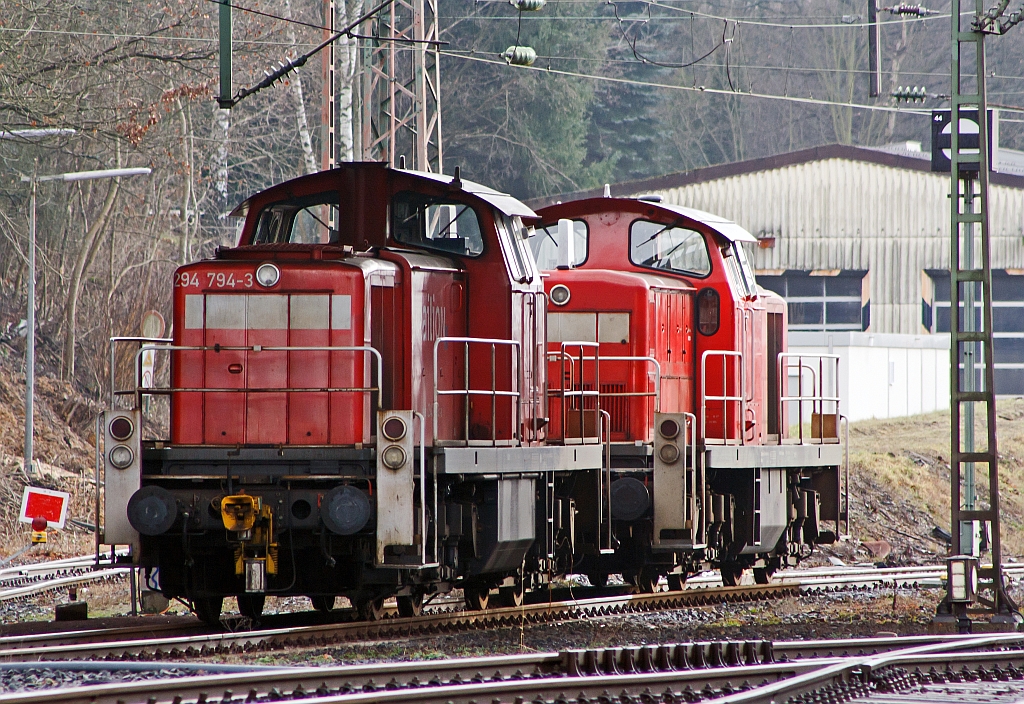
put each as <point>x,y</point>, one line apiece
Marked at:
<point>699,89</point>
<point>647,60</point>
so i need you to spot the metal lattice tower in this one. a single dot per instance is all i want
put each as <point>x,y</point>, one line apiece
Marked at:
<point>971,343</point>
<point>401,99</point>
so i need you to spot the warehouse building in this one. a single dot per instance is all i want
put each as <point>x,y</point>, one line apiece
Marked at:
<point>857,241</point>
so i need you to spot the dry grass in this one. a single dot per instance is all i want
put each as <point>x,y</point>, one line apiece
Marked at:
<point>900,479</point>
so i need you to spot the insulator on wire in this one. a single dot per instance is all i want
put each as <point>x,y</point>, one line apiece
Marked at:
<point>527,5</point>
<point>905,9</point>
<point>519,56</point>
<point>916,94</point>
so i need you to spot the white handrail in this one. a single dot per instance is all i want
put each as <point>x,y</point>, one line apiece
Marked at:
<point>492,392</point>
<point>725,398</point>
<point>817,397</point>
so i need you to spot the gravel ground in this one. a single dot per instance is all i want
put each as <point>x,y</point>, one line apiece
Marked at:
<point>48,678</point>
<point>809,616</point>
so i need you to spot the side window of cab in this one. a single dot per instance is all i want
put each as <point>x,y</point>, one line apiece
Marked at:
<point>438,224</point>
<point>309,220</point>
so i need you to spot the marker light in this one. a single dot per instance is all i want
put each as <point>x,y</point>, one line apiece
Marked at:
<point>668,428</point>
<point>669,453</point>
<point>560,295</point>
<point>393,457</point>
<point>267,275</point>
<point>121,428</point>
<point>121,456</point>
<point>394,429</point>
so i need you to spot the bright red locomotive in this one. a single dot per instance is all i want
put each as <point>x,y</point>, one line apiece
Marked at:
<point>665,296</point>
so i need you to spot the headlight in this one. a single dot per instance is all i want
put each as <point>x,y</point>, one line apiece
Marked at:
<point>121,456</point>
<point>267,275</point>
<point>121,428</point>
<point>393,457</point>
<point>394,429</point>
<point>560,295</point>
<point>669,453</point>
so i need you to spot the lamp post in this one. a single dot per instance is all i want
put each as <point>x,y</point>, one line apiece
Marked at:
<point>30,333</point>
<point>31,135</point>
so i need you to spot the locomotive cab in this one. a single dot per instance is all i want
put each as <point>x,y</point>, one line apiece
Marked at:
<point>764,485</point>
<point>357,404</point>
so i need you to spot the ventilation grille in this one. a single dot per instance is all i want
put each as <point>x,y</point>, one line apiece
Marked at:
<point>617,406</point>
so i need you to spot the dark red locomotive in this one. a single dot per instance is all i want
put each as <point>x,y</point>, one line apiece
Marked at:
<point>670,290</point>
<point>358,407</point>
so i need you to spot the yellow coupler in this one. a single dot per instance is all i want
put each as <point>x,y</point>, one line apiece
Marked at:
<point>253,525</point>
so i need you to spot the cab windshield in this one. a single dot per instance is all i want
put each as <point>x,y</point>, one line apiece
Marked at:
<point>660,246</point>
<point>549,245</point>
<point>310,220</point>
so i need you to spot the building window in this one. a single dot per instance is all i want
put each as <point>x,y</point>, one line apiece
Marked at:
<point>1007,322</point>
<point>830,299</point>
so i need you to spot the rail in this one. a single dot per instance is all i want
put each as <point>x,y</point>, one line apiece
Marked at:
<point>139,391</point>
<point>725,398</point>
<point>696,480</point>
<point>563,356</point>
<point>494,393</point>
<point>113,357</point>
<point>823,395</point>
<point>580,392</point>
<point>604,485</point>
<point>423,499</point>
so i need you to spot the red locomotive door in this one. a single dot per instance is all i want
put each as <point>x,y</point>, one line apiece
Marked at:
<point>224,411</point>
<point>266,412</point>
<point>309,325</point>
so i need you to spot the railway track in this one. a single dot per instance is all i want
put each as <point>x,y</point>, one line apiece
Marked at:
<point>70,645</point>
<point>22,582</point>
<point>147,640</point>
<point>753,671</point>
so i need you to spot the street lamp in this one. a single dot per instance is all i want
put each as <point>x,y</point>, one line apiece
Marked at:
<point>32,135</point>
<point>30,333</point>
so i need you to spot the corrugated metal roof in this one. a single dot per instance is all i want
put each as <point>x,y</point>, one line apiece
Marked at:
<point>838,214</point>
<point>850,208</point>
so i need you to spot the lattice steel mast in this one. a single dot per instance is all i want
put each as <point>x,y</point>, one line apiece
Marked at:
<point>401,98</point>
<point>971,279</point>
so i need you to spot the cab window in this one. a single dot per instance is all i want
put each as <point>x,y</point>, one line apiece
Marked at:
<point>547,244</point>
<point>310,220</point>
<point>514,237</point>
<point>668,247</point>
<point>436,223</point>
<point>738,270</point>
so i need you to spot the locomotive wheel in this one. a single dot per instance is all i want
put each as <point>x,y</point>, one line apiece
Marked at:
<point>646,582</point>
<point>323,604</point>
<point>207,609</point>
<point>676,581</point>
<point>411,605</point>
<point>731,574</point>
<point>251,605</point>
<point>762,576</point>
<point>370,609</point>
<point>476,597</point>
<point>598,579</point>
<point>512,596</point>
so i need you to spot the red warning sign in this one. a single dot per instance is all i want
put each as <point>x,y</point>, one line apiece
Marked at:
<point>45,503</point>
